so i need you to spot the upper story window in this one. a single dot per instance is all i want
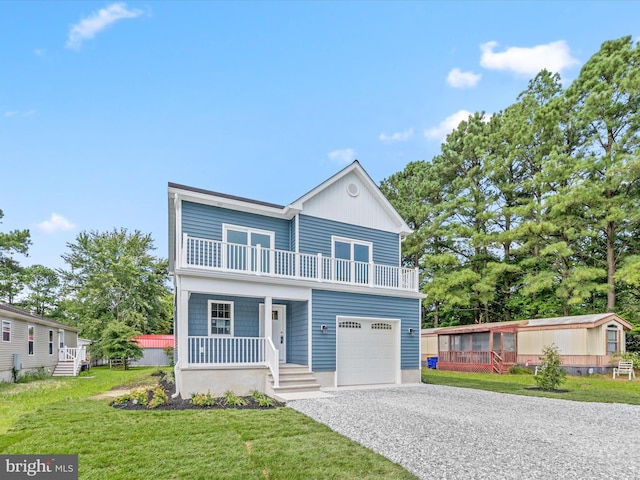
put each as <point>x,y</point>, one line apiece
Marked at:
<point>352,259</point>
<point>6,331</point>
<point>31,339</point>
<point>241,252</point>
<point>612,339</point>
<point>220,317</point>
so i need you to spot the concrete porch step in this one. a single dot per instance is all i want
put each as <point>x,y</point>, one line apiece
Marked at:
<point>294,379</point>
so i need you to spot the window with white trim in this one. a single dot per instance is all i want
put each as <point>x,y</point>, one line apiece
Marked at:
<point>352,259</point>
<point>220,318</point>
<point>612,339</point>
<point>31,339</point>
<point>50,342</point>
<point>6,331</point>
<point>242,253</point>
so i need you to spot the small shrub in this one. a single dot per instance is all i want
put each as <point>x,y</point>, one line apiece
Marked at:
<point>230,398</point>
<point>263,399</point>
<point>516,370</point>
<point>203,399</point>
<point>39,373</point>
<point>550,374</point>
<point>139,396</point>
<point>159,398</point>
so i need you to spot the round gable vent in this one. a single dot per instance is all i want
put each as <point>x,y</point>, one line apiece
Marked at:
<point>353,190</point>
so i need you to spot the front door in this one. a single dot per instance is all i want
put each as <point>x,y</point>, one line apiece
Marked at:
<point>279,329</point>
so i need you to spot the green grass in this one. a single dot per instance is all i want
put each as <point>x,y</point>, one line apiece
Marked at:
<point>195,444</point>
<point>17,399</point>
<point>593,388</point>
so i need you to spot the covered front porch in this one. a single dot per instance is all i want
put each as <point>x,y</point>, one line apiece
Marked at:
<point>229,340</point>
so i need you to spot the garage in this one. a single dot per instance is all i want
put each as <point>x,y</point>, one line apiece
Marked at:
<point>368,351</point>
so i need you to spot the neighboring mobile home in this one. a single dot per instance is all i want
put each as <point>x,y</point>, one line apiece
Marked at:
<point>587,343</point>
<point>327,268</point>
<point>30,341</point>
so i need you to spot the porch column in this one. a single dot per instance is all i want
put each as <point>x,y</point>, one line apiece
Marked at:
<point>268,324</point>
<point>183,329</point>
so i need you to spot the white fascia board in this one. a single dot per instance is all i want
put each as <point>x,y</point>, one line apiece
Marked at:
<point>286,213</point>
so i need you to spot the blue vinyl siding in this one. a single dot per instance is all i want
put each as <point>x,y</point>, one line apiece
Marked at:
<point>297,333</point>
<point>328,305</point>
<point>247,324</point>
<point>205,221</point>
<point>246,315</point>
<point>315,237</point>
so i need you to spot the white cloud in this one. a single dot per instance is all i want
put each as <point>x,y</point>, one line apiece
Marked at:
<point>554,56</point>
<point>460,79</point>
<point>446,126</point>
<point>17,113</point>
<point>55,223</point>
<point>397,136</point>
<point>40,52</point>
<point>90,26</point>
<point>346,155</point>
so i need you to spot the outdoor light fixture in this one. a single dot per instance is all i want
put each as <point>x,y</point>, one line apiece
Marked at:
<point>324,329</point>
<point>412,331</point>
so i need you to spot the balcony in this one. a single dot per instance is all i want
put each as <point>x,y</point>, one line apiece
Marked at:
<point>218,256</point>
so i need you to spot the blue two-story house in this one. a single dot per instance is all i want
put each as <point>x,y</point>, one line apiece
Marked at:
<point>341,310</point>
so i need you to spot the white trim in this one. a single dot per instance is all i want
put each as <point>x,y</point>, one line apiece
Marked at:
<point>231,318</point>
<point>352,242</point>
<point>6,322</point>
<point>34,340</point>
<point>397,340</point>
<point>51,343</point>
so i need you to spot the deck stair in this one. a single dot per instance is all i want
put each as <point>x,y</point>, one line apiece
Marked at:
<point>293,379</point>
<point>65,368</point>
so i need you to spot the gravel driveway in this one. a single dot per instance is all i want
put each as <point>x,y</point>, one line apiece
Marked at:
<point>440,432</point>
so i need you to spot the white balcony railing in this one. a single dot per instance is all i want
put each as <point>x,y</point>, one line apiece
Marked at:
<point>255,260</point>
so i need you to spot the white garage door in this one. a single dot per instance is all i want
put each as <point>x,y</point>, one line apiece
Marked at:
<point>367,351</point>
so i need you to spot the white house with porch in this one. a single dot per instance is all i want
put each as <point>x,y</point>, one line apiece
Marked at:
<point>342,310</point>
<point>30,341</point>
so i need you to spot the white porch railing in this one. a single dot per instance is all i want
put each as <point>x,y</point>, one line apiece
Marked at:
<point>77,355</point>
<point>255,260</point>
<point>220,351</point>
<point>273,362</point>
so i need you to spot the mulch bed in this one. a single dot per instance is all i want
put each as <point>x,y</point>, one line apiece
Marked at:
<point>538,389</point>
<point>179,403</point>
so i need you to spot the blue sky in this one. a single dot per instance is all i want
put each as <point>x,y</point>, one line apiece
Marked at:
<point>103,103</point>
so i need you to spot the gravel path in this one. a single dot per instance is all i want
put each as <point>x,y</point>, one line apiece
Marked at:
<point>440,432</point>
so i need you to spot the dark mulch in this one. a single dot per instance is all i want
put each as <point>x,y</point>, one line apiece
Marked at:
<point>179,403</point>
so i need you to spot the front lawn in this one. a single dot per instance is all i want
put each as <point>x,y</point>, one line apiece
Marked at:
<point>592,388</point>
<point>207,444</point>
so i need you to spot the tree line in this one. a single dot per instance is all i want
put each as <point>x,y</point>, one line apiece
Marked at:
<point>112,287</point>
<point>534,211</point>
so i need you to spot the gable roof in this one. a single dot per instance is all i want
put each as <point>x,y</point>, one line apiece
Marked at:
<point>576,321</point>
<point>356,169</point>
<point>20,314</point>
